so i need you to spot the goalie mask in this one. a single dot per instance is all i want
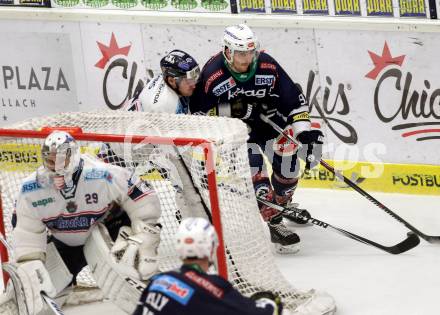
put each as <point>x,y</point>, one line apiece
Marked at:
<point>60,154</point>
<point>196,238</point>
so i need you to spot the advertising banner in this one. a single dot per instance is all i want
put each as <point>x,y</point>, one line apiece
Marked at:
<point>347,7</point>
<point>319,7</point>
<point>375,94</point>
<point>284,6</point>
<point>412,8</point>
<point>37,75</point>
<point>155,5</point>
<point>384,177</point>
<point>381,94</point>
<point>380,8</point>
<point>33,3</point>
<point>114,63</point>
<point>252,6</point>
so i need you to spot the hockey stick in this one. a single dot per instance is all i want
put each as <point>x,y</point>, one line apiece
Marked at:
<point>340,176</point>
<point>410,242</point>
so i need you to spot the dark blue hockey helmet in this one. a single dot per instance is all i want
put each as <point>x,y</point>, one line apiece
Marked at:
<point>178,64</point>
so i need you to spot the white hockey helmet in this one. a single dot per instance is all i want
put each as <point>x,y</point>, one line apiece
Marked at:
<point>60,153</point>
<point>239,38</point>
<point>196,238</point>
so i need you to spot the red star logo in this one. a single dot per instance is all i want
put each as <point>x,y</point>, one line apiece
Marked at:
<point>109,51</point>
<point>380,62</point>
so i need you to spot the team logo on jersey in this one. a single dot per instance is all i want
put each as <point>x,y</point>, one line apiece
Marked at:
<point>173,288</point>
<point>266,65</point>
<point>283,146</point>
<point>30,186</point>
<point>261,93</point>
<point>96,173</point>
<point>224,86</point>
<point>211,79</point>
<point>264,79</point>
<point>205,283</point>
<point>153,82</point>
<point>43,202</point>
<point>158,93</point>
<point>71,207</point>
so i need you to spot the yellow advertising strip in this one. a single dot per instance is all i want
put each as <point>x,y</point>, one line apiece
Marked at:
<point>418,179</point>
<point>25,157</point>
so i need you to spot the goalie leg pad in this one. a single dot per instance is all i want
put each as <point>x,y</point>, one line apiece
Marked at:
<point>29,280</point>
<point>122,289</point>
<point>58,271</point>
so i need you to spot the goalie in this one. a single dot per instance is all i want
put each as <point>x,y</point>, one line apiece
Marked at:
<point>67,196</point>
<point>191,290</point>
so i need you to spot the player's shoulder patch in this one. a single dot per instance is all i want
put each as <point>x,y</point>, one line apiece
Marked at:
<point>172,287</point>
<point>98,173</point>
<point>29,186</point>
<point>212,77</point>
<point>267,62</point>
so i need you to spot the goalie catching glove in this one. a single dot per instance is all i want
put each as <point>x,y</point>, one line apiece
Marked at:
<point>136,248</point>
<point>264,298</point>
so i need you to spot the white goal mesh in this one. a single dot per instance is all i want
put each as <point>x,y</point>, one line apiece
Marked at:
<point>247,254</point>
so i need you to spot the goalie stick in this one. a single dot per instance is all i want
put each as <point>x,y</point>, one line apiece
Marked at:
<point>340,176</point>
<point>410,242</point>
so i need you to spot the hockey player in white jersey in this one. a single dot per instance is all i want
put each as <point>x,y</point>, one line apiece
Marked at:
<point>169,91</point>
<point>64,199</point>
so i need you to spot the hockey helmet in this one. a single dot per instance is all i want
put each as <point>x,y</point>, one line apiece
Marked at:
<point>178,64</point>
<point>239,38</point>
<point>196,238</point>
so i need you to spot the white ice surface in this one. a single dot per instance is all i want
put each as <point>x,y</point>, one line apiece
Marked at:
<point>362,279</point>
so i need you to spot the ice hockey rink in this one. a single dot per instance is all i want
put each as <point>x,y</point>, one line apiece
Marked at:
<point>362,279</point>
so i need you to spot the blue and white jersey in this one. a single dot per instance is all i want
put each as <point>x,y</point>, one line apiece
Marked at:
<point>70,213</point>
<point>157,97</point>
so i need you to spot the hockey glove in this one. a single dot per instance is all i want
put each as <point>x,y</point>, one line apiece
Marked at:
<point>264,298</point>
<point>311,136</point>
<point>35,279</point>
<point>249,111</point>
<point>311,152</point>
<point>138,244</point>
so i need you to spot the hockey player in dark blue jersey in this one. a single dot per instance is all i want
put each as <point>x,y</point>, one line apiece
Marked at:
<point>191,291</point>
<point>244,83</point>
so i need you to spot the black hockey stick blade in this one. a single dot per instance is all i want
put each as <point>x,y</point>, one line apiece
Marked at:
<point>339,175</point>
<point>428,238</point>
<point>410,242</point>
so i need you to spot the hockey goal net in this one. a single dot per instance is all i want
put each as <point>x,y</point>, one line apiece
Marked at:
<point>215,153</point>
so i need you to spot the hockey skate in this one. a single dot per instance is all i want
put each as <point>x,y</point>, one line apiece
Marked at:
<point>285,241</point>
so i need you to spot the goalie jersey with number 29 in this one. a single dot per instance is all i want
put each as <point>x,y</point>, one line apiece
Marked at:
<point>70,213</point>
